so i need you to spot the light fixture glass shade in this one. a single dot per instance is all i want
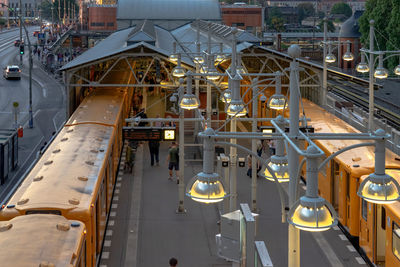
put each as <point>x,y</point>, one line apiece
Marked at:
<point>178,71</point>
<point>236,108</point>
<point>173,58</point>
<point>362,67</point>
<point>198,59</point>
<point>348,56</point>
<point>206,188</point>
<point>173,98</point>
<point>189,101</point>
<point>312,214</point>
<point>381,73</point>
<point>397,70</point>
<point>380,189</point>
<point>219,58</point>
<point>277,102</point>
<point>212,74</point>
<point>280,167</point>
<point>330,58</point>
<point>226,96</point>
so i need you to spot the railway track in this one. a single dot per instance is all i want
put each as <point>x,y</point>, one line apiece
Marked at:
<point>358,95</point>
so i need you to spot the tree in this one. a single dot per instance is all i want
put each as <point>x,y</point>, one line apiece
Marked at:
<point>385,14</point>
<point>330,26</point>
<point>305,10</point>
<point>277,24</point>
<point>342,9</point>
<point>45,8</point>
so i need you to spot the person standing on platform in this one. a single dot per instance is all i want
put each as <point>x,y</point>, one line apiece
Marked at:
<point>154,147</point>
<point>173,161</point>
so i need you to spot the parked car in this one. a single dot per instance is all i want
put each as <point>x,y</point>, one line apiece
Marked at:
<point>12,72</point>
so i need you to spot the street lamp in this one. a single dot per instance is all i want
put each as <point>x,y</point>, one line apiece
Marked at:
<point>207,186</point>
<point>236,107</point>
<point>178,71</point>
<point>277,101</point>
<point>348,56</point>
<point>189,100</point>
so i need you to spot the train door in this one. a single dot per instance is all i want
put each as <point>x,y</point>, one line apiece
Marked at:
<point>335,174</point>
<point>100,216</point>
<point>367,223</point>
<point>380,234</point>
<point>110,179</point>
<point>343,196</point>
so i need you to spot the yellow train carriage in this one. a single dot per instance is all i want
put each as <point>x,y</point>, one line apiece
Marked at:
<point>75,176</point>
<point>339,181</point>
<point>42,240</point>
<point>380,229</point>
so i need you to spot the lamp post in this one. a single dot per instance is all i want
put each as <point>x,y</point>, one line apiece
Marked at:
<point>371,79</point>
<point>20,29</point>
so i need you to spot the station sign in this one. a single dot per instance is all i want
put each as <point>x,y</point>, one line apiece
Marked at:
<point>149,133</point>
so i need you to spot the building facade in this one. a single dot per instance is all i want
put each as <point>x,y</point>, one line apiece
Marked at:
<point>246,17</point>
<point>102,18</point>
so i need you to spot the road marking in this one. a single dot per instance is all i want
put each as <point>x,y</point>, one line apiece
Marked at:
<point>107,243</point>
<point>119,179</point>
<point>113,213</point>
<point>109,232</point>
<point>328,251</point>
<point>351,248</point>
<point>103,265</point>
<point>116,198</point>
<point>116,191</point>
<point>343,237</point>
<point>114,206</point>
<point>360,260</point>
<point>118,185</point>
<point>105,255</point>
<point>111,223</point>
<point>304,187</point>
<point>336,228</point>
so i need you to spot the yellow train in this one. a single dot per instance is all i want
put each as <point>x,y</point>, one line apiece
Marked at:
<point>76,175</point>
<point>376,227</point>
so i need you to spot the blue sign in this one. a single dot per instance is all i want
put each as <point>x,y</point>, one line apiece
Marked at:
<point>41,35</point>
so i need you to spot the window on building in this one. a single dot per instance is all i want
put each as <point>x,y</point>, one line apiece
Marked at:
<point>110,24</point>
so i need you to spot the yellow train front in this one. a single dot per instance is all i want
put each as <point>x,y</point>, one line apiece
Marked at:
<point>76,175</point>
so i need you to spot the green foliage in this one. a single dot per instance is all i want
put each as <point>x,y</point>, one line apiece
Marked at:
<point>277,24</point>
<point>330,26</point>
<point>386,16</point>
<point>342,8</point>
<point>305,10</point>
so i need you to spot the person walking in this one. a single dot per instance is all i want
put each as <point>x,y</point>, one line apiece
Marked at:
<point>173,262</point>
<point>173,161</point>
<point>154,147</point>
<point>249,166</point>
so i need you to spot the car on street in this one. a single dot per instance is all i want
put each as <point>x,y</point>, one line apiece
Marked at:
<point>12,72</point>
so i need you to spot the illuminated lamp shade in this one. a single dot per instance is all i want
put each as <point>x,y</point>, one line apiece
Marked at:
<point>198,59</point>
<point>178,71</point>
<point>348,56</point>
<point>206,188</point>
<point>189,101</point>
<point>203,69</point>
<point>380,189</point>
<point>330,58</point>
<point>277,102</point>
<point>362,67</point>
<point>212,74</point>
<point>226,96</point>
<point>219,58</point>
<point>381,73</point>
<point>313,214</point>
<point>397,70</point>
<point>236,108</point>
<point>173,58</point>
<point>279,165</point>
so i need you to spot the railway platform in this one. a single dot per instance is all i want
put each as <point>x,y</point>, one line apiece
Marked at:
<point>145,230</point>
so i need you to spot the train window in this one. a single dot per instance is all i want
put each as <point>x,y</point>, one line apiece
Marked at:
<point>55,212</point>
<point>347,185</point>
<point>396,240</point>
<point>364,209</point>
<point>383,218</point>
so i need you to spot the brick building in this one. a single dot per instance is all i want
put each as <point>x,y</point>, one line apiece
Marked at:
<point>102,18</point>
<point>243,16</point>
